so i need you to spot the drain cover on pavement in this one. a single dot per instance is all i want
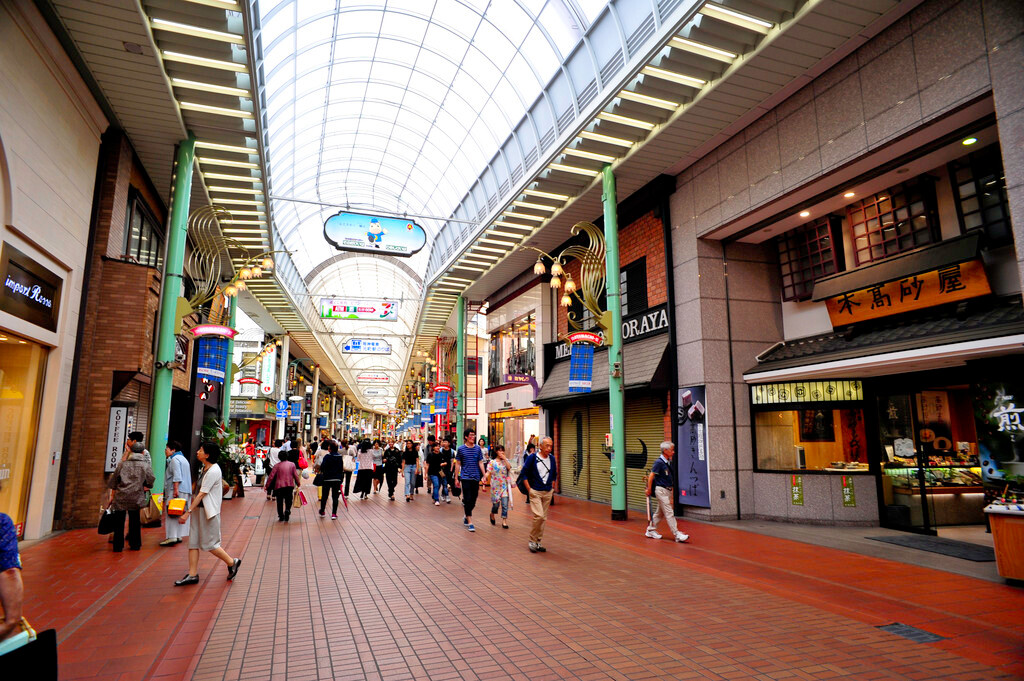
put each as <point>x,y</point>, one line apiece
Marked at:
<point>913,633</point>
<point>252,517</point>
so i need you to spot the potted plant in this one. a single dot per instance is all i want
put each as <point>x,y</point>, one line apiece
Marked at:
<point>231,456</point>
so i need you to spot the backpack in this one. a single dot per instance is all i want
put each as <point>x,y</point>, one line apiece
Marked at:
<point>521,479</point>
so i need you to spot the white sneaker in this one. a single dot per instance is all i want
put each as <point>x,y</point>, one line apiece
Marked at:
<point>680,537</point>
<point>437,503</point>
<point>653,534</point>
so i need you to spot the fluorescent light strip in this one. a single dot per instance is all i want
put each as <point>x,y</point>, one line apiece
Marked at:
<point>648,100</point>
<point>569,169</point>
<point>694,47</point>
<point>230,164</point>
<point>448,278</point>
<point>503,251</point>
<point>234,190</point>
<point>498,232</point>
<point>625,120</point>
<point>467,261</point>
<point>468,267</point>
<point>603,158</point>
<point>203,61</point>
<point>219,4</point>
<point>538,206</point>
<point>607,139</point>
<point>735,18</point>
<point>239,202</point>
<point>251,239</point>
<point>673,77</point>
<point>232,178</point>
<point>546,195</point>
<point>209,87</point>
<point>229,221</point>
<point>496,241</point>
<point>515,225</point>
<point>486,256</point>
<point>241,230</point>
<point>524,216</point>
<point>226,147</point>
<point>247,212</point>
<point>197,31</point>
<point>217,110</point>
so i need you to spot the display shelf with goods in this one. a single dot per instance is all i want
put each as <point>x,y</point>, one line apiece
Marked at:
<point>1006,519</point>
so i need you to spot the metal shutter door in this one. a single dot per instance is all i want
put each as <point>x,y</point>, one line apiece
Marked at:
<point>645,430</point>
<point>574,457</point>
<point>599,468</point>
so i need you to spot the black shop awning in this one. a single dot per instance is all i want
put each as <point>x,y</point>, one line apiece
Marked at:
<point>646,363</point>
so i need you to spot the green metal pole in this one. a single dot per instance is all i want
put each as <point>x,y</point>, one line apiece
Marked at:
<point>163,373</point>
<point>460,369</point>
<point>616,371</point>
<point>228,377</point>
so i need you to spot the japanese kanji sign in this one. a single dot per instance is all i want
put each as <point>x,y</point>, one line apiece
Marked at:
<point>691,459</point>
<point>945,285</point>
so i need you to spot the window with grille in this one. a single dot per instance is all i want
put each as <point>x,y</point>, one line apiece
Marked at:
<point>898,219</point>
<point>979,185</point>
<point>633,287</point>
<point>808,253</point>
<point>144,240</point>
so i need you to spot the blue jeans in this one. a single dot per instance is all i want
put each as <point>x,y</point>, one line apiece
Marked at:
<point>410,479</point>
<point>435,484</point>
<point>504,507</point>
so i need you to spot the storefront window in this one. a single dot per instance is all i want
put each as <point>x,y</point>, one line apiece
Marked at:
<point>815,438</point>
<point>513,353</point>
<point>21,375</point>
<point>898,219</point>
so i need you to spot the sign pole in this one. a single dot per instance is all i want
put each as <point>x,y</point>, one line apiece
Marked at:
<point>228,373</point>
<point>616,370</point>
<point>460,369</point>
<point>314,419</point>
<point>282,382</point>
<point>163,372</point>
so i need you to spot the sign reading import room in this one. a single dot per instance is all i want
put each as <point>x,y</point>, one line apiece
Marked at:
<point>30,291</point>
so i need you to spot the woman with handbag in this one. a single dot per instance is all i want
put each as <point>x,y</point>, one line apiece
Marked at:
<point>128,484</point>
<point>331,469</point>
<point>204,516</point>
<point>348,458</point>
<point>281,483</point>
<point>364,477</point>
<point>498,475</point>
<point>378,466</point>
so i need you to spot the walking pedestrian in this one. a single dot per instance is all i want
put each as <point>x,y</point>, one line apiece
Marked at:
<point>349,464</point>
<point>448,467</point>
<point>177,485</point>
<point>498,475</point>
<point>364,474</point>
<point>12,589</point>
<point>539,472</point>
<point>281,483</point>
<point>136,438</point>
<point>273,458</point>
<point>128,485</point>
<point>204,516</point>
<point>409,459</point>
<point>332,467</point>
<point>661,482</point>
<point>469,471</point>
<point>378,466</point>
<point>433,462</point>
<point>392,464</point>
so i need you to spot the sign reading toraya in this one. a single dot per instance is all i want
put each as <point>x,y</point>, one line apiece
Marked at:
<point>947,284</point>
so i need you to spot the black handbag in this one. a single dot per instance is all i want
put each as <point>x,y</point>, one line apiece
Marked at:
<point>106,525</point>
<point>318,479</point>
<point>456,490</point>
<point>419,480</point>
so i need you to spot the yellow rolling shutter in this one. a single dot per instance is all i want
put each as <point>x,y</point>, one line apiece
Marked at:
<point>574,454</point>
<point>645,431</point>
<point>600,480</point>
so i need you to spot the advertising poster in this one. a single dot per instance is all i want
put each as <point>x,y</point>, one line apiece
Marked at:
<point>691,457</point>
<point>374,234</point>
<point>366,346</point>
<point>364,309</point>
<point>268,371</point>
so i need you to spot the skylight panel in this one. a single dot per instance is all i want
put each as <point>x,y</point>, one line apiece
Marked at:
<point>511,20</point>
<point>561,26</point>
<point>539,52</point>
<point>454,15</point>
<point>407,26</point>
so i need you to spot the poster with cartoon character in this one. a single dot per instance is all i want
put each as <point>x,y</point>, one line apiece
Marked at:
<point>374,234</point>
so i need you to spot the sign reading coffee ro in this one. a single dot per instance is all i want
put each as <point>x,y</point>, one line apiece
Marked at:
<point>30,291</point>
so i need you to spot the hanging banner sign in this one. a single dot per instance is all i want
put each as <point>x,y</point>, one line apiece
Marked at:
<point>947,284</point>
<point>212,357</point>
<point>268,372</point>
<point>374,234</point>
<point>366,346</point>
<point>294,411</point>
<point>692,459</point>
<point>117,433</point>
<point>807,391</point>
<point>373,377</point>
<point>370,392</point>
<point>365,309</point>
<point>581,368</point>
<point>440,405</point>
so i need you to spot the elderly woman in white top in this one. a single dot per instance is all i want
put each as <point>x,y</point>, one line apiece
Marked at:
<point>204,516</point>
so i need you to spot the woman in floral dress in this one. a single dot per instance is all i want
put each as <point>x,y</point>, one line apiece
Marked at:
<point>499,476</point>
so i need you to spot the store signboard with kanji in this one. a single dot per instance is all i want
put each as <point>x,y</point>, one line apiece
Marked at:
<point>948,284</point>
<point>692,457</point>
<point>796,490</point>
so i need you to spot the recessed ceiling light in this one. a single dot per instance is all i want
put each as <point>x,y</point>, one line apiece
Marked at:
<point>805,213</point>
<point>969,141</point>
<point>134,48</point>
<point>849,195</point>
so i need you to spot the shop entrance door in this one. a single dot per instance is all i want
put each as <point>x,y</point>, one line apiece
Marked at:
<point>904,467</point>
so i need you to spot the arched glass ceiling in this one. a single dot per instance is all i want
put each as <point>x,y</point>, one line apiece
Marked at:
<point>395,106</point>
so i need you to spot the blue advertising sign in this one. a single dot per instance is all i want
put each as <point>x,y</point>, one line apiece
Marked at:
<point>441,402</point>
<point>581,368</point>
<point>211,357</point>
<point>374,234</point>
<point>692,457</point>
<point>366,346</point>
<point>294,409</point>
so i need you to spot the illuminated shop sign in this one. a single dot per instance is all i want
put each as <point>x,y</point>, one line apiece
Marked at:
<point>370,392</point>
<point>374,234</point>
<point>30,291</point>
<point>947,284</point>
<point>807,391</point>
<point>366,346</point>
<point>366,309</point>
<point>268,370</point>
<point>373,377</point>
<point>213,330</point>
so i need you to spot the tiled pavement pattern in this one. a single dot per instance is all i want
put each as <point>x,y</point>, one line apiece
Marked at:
<point>400,591</point>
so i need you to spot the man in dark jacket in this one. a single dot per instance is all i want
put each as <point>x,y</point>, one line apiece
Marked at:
<point>392,464</point>
<point>332,469</point>
<point>539,474</point>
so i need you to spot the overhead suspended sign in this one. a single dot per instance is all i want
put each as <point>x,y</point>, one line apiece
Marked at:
<point>374,234</point>
<point>373,377</point>
<point>268,371</point>
<point>369,392</point>
<point>366,309</point>
<point>366,346</point>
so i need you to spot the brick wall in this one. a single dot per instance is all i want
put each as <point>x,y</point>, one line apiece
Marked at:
<point>641,238</point>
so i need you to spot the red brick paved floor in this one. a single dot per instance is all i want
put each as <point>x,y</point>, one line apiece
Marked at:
<point>400,591</point>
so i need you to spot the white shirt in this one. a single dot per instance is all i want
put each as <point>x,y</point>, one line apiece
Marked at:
<point>210,481</point>
<point>543,468</point>
<point>273,456</point>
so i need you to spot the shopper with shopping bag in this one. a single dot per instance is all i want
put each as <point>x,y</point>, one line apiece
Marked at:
<point>177,492</point>
<point>282,482</point>
<point>128,496</point>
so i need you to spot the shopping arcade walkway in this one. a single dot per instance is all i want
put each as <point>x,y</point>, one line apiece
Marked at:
<point>614,605</point>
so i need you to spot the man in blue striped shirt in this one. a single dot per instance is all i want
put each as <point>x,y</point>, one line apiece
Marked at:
<point>469,471</point>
